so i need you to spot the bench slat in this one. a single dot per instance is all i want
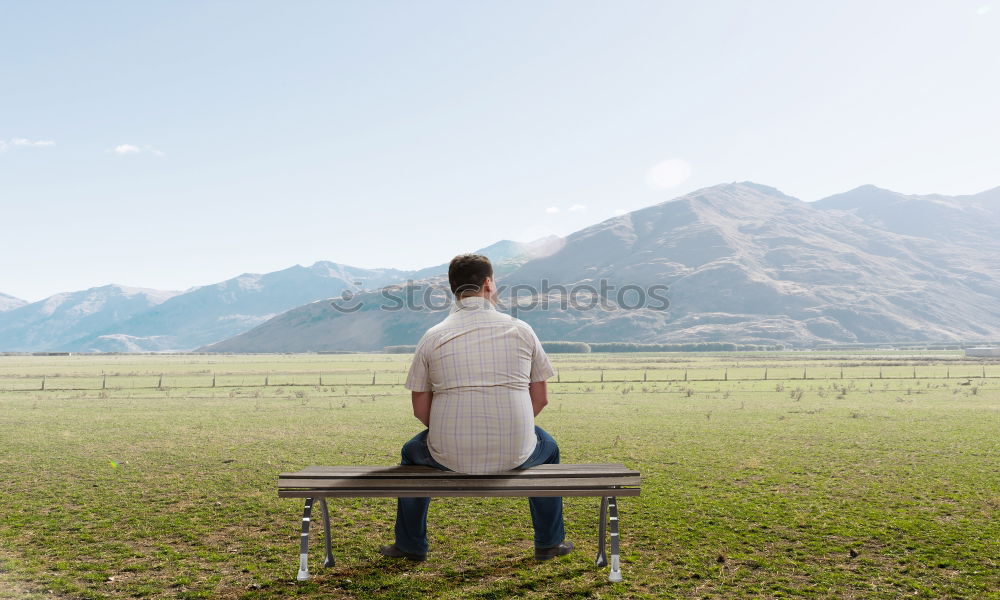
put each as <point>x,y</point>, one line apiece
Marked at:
<point>557,467</point>
<point>412,471</point>
<point>468,493</point>
<point>412,481</point>
<point>445,476</point>
<point>454,483</point>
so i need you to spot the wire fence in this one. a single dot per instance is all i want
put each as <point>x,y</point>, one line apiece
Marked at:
<point>376,379</point>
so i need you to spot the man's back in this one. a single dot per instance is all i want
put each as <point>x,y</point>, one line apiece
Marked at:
<point>478,380</point>
<point>478,363</point>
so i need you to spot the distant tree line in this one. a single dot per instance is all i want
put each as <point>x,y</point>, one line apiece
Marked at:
<point>585,348</point>
<point>684,347</point>
<point>399,349</point>
<point>566,347</point>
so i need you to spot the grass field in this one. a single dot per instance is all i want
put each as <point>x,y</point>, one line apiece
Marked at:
<point>837,476</point>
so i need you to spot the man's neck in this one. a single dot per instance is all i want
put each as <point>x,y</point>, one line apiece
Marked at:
<point>474,301</point>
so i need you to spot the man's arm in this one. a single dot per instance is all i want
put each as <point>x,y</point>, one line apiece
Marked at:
<point>539,395</point>
<point>422,406</point>
<point>541,369</point>
<point>418,381</point>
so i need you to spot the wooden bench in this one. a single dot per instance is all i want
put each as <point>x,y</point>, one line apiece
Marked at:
<point>607,481</point>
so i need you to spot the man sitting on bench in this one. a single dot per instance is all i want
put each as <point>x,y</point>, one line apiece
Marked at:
<point>477,383</point>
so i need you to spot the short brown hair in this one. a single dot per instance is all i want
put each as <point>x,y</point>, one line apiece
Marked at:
<point>467,273</point>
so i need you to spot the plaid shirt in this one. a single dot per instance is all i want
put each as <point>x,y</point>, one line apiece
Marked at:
<point>478,363</point>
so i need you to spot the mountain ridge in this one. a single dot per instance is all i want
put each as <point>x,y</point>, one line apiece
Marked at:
<point>57,320</point>
<point>8,302</point>
<point>744,262</point>
<point>180,321</point>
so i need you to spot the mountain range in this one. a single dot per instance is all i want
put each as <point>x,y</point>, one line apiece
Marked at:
<point>55,322</point>
<point>114,318</point>
<point>8,302</point>
<point>743,262</point>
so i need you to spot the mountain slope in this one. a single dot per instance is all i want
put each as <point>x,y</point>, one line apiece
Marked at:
<point>214,312</point>
<point>961,220</point>
<point>8,302</point>
<point>506,255</point>
<point>989,199</point>
<point>744,263</point>
<point>51,323</point>
<point>747,263</point>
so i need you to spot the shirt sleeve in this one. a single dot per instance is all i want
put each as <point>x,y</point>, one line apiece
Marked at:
<point>541,368</point>
<point>419,377</point>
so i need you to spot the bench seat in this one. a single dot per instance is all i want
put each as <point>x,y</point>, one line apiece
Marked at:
<point>607,481</point>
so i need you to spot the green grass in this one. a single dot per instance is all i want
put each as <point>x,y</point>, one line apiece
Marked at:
<point>854,488</point>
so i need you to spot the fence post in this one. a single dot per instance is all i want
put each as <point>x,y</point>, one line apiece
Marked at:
<point>160,384</point>
<point>267,379</point>
<point>644,376</point>
<point>725,375</point>
<point>765,373</point>
<point>213,379</point>
<point>557,376</point>
<point>43,383</point>
<point>947,373</point>
<point>914,372</point>
<point>880,373</point>
<point>104,382</point>
<point>602,375</point>
<point>686,374</point>
<point>804,374</point>
<point>373,377</point>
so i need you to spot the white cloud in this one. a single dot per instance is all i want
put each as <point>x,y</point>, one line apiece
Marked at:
<point>127,149</point>
<point>34,143</point>
<point>552,210</point>
<point>669,173</point>
<point>984,10</point>
<point>123,149</point>
<point>24,142</point>
<point>578,208</point>
<point>620,211</point>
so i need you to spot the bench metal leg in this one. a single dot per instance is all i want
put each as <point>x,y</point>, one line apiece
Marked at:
<point>304,541</point>
<point>602,559</point>
<point>328,562</point>
<point>616,573</point>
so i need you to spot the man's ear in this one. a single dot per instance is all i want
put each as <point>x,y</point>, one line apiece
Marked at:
<point>489,286</point>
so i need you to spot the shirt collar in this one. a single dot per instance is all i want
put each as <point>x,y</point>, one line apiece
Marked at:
<point>472,303</point>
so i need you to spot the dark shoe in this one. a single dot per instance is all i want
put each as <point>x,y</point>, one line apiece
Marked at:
<point>547,553</point>
<point>394,552</point>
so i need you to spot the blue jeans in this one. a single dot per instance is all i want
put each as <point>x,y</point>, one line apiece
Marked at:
<point>411,513</point>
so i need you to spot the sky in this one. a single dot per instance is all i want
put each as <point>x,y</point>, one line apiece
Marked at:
<point>174,144</point>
